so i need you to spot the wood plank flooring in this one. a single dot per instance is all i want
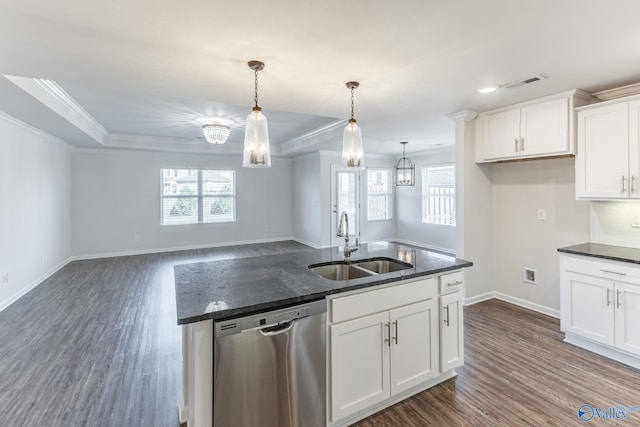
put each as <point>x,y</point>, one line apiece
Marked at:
<point>97,345</point>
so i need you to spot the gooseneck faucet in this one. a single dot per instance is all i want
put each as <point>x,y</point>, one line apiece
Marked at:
<point>343,231</point>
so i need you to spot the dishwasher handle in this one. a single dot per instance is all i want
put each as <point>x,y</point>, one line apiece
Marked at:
<point>278,329</point>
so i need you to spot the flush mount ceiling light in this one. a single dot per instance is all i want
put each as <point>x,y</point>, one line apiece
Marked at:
<point>405,170</point>
<point>216,133</point>
<point>352,151</point>
<point>488,89</point>
<point>257,153</point>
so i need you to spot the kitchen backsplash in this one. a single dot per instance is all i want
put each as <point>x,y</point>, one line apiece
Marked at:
<point>615,223</point>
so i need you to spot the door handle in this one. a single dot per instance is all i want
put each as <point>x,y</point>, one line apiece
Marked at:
<point>277,329</point>
<point>608,297</point>
<point>388,340</point>
<point>395,338</point>
<point>633,183</point>
<point>624,190</point>
<point>446,321</point>
<point>618,303</point>
<point>516,141</point>
<point>521,144</point>
<point>456,283</point>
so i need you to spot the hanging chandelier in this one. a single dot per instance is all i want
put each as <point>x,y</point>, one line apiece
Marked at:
<point>352,151</point>
<point>405,170</point>
<point>257,153</point>
<point>216,133</point>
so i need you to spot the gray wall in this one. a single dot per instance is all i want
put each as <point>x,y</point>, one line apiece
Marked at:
<point>116,195</point>
<point>35,183</point>
<point>409,225</point>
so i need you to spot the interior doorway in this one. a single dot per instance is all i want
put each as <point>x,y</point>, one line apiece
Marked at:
<point>345,197</point>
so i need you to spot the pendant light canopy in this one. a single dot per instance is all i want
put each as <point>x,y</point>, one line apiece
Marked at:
<point>405,170</point>
<point>216,133</point>
<point>257,153</point>
<point>352,151</point>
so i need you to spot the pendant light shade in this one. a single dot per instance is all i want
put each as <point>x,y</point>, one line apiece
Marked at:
<point>256,153</point>
<point>352,151</point>
<point>405,170</point>
<point>216,133</point>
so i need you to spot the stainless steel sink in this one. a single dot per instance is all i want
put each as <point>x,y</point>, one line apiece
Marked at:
<point>340,271</point>
<point>381,266</point>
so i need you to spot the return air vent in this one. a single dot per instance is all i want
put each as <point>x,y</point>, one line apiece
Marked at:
<point>525,81</point>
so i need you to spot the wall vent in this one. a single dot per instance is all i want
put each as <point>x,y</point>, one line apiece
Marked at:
<point>525,81</point>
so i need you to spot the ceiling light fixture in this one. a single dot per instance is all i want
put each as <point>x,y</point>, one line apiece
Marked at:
<point>405,170</point>
<point>257,153</point>
<point>216,133</point>
<point>352,151</point>
<point>488,89</point>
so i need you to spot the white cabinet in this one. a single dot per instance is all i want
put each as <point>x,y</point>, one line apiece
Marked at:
<point>385,345</point>
<point>539,128</point>
<point>600,306</point>
<point>451,321</point>
<point>608,159</point>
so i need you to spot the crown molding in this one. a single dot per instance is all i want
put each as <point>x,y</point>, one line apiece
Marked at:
<point>50,94</point>
<point>310,138</point>
<point>466,115</point>
<point>10,119</point>
<point>618,92</point>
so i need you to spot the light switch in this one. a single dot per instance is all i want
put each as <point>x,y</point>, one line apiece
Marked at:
<point>541,215</point>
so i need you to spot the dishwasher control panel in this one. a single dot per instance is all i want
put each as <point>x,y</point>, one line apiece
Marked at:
<point>271,318</point>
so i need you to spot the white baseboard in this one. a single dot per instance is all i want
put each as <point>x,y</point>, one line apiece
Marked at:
<point>304,242</point>
<point>15,297</point>
<point>424,245</point>
<point>513,300</point>
<point>180,248</point>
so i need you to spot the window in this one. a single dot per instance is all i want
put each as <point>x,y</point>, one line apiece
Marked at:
<point>195,196</point>
<point>378,194</point>
<point>439,195</point>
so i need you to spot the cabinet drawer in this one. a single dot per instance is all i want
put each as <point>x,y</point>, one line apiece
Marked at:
<point>451,282</point>
<point>375,301</point>
<point>614,270</point>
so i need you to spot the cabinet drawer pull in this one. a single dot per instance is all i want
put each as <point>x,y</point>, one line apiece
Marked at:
<point>608,297</point>
<point>395,338</point>
<point>456,283</point>
<point>614,272</point>
<point>618,303</point>
<point>624,190</point>
<point>388,340</point>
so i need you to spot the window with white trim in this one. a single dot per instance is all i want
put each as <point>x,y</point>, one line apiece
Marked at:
<point>439,195</point>
<point>198,196</point>
<point>379,194</point>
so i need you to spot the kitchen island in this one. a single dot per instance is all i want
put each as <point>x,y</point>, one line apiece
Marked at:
<point>210,292</point>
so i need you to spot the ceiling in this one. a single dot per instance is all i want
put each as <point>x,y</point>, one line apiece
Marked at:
<point>146,71</point>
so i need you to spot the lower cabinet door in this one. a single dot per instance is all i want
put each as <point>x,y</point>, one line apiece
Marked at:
<point>414,344</point>
<point>627,300</point>
<point>451,331</point>
<point>590,311</point>
<point>359,364</point>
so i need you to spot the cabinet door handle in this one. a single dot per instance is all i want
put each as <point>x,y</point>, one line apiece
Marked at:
<point>522,144</point>
<point>446,321</point>
<point>516,145</point>
<point>608,297</point>
<point>618,303</point>
<point>388,340</point>
<point>624,190</point>
<point>395,338</point>
<point>456,283</point>
<point>633,183</point>
<point>614,272</point>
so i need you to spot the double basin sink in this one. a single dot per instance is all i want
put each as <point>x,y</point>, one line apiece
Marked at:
<point>345,270</point>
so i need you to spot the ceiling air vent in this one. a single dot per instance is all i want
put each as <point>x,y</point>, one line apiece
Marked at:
<point>525,81</point>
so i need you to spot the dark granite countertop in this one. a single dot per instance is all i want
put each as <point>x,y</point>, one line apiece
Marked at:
<point>598,250</point>
<point>235,287</point>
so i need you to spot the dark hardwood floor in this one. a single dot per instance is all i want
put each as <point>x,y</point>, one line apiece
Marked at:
<point>97,345</point>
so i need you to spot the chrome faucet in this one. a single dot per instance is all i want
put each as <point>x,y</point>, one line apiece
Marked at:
<point>343,231</point>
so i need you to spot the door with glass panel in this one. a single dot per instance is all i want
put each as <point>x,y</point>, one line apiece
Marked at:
<point>345,197</point>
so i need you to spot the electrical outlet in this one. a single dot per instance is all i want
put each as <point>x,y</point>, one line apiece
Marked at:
<point>635,221</point>
<point>541,215</point>
<point>5,279</point>
<point>136,237</point>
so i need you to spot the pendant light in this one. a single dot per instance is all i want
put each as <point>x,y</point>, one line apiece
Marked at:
<point>257,153</point>
<point>352,151</point>
<point>216,133</point>
<point>405,170</point>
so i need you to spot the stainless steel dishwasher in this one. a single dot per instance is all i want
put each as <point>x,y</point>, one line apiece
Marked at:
<point>269,369</point>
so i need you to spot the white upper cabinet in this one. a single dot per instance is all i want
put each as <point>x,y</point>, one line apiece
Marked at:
<point>607,162</point>
<point>539,128</point>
